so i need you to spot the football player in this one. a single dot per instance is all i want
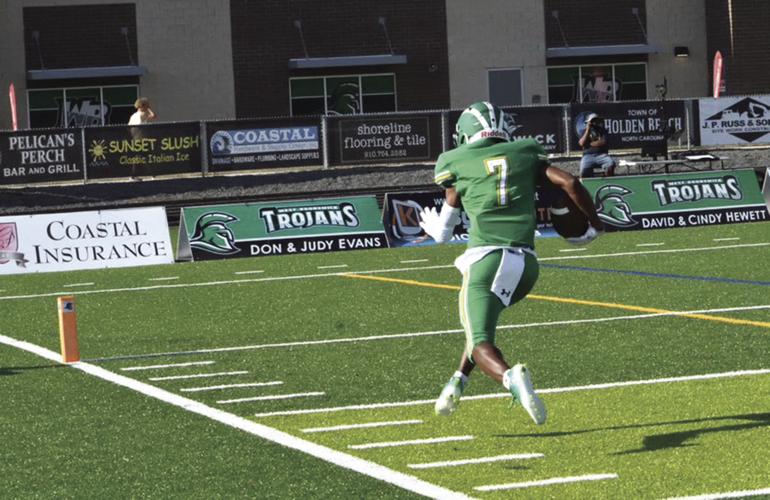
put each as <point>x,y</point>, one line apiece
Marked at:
<point>495,181</point>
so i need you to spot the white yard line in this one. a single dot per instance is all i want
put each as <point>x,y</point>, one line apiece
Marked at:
<point>230,386</point>
<point>650,244</point>
<point>725,239</point>
<point>567,250</point>
<point>272,398</point>
<point>70,285</point>
<point>372,271</point>
<point>471,461</point>
<point>546,482</point>
<point>415,261</point>
<point>393,336</point>
<point>166,278</point>
<point>341,459</point>
<point>336,266</point>
<point>555,390</point>
<point>367,425</point>
<point>729,494</point>
<point>198,375</point>
<point>256,271</point>
<point>173,365</point>
<point>410,442</point>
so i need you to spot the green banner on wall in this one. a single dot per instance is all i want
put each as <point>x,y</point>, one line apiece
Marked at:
<point>678,200</point>
<point>277,228</point>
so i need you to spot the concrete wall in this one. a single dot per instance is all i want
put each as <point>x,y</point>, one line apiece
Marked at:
<point>184,45</point>
<point>671,24</point>
<point>489,34</point>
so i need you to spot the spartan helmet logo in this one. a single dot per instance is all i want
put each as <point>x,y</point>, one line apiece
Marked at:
<point>213,235</point>
<point>612,208</point>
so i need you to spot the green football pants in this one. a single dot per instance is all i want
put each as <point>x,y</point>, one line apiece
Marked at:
<point>480,307</point>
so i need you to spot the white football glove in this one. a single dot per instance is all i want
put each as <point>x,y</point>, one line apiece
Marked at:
<point>439,226</point>
<point>590,235</point>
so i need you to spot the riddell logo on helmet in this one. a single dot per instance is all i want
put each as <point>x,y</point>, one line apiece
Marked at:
<point>485,134</point>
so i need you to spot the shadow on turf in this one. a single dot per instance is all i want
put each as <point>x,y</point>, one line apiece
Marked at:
<point>668,440</point>
<point>16,370</point>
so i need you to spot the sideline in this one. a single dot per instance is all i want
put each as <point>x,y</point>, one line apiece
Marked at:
<point>374,271</point>
<point>335,457</point>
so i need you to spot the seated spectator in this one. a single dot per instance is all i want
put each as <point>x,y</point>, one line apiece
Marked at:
<point>595,149</point>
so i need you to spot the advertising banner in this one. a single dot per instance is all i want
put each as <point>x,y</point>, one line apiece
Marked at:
<point>291,227</point>
<point>734,120</point>
<point>545,124</point>
<point>84,240</point>
<point>631,125</point>
<point>49,155</point>
<point>144,150</point>
<point>384,139</point>
<point>256,144</point>
<point>401,217</point>
<point>678,200</point>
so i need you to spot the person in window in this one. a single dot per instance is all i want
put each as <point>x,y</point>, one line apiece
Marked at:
<point>595,149</point>
<point>144,112</point>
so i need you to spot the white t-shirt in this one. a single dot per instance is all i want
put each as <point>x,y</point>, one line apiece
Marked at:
<point>137,118</point>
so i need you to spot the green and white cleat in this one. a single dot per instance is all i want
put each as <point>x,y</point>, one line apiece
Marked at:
<point>449,399</point>
<point>520,385</point>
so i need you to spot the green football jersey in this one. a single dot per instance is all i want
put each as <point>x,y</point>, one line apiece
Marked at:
<point>496,183</point>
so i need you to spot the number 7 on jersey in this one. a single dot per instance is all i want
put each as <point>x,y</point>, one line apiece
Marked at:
<point>499,166</point>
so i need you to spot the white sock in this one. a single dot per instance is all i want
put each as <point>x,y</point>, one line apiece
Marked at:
<point>463,377</point>
<point>507,379</point>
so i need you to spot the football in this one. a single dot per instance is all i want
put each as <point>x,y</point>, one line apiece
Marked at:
<point>567,219</point>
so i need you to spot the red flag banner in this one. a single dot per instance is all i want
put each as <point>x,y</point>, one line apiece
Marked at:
<point>717,76</point>
<point>12,97</point>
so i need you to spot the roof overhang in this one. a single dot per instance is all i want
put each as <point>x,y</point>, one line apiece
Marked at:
<point>93,72</point>
<point>601,50</point>
<point>347,61</point>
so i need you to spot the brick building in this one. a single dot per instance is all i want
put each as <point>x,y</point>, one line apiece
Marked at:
<point>79,62</point>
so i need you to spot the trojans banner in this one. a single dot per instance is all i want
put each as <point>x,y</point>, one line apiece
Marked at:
<point>678,200</point>
<point>277,228</point>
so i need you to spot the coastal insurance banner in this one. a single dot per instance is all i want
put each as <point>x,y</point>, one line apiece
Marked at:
<point>291,227</point>
<point>49,155</point>
<point>735,120</point>
<point>678,200</point>
<point>145,150</point>
<point>84,240</point>
<point>254,144</point>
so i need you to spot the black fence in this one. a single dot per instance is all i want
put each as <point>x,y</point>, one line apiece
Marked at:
<point>53,155</point>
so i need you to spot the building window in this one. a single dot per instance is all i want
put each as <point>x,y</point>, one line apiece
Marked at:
<point>81,106</point>
<point>505,87</point>
<point>343,95</point>
<point>597,83</point>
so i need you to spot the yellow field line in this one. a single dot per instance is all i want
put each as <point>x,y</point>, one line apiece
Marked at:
<point>549,298</point>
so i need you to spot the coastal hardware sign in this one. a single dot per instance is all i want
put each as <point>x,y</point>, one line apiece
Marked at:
<point>84,240</point>
<point>401,217</point>
<point>542,123</point>
<point>50,155</point>
<point>735,120</point>
<point>678,200</point>
<point>384,139</point>
<point>291,227</point>
<point>144,150</point>
<point>256,144</point>
<point>633,124</point>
